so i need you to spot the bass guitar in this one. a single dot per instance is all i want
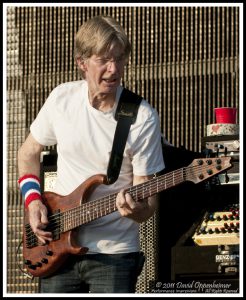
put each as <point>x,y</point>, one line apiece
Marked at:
<point>66,213</point>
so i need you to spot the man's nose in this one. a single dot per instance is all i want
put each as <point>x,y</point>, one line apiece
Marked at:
<point>113,65</point>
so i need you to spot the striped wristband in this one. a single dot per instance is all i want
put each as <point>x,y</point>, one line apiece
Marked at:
<point>30,188</point>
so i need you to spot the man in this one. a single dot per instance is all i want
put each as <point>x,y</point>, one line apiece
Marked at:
<point>79,117</point>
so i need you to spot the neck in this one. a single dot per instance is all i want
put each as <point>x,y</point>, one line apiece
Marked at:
<point>102,102</point>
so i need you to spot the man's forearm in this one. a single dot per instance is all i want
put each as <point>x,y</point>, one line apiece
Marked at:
<point>29,157</point>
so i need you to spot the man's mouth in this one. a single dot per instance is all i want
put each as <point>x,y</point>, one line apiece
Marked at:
<point>111,80</point>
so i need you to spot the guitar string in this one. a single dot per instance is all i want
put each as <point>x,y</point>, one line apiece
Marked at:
<point>73,217</point>
<point>150,186</point>
<point>58,228</point>
<point>90,204</point>
<point>131,190</point>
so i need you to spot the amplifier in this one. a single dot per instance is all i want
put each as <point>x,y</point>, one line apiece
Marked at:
<point>48,170</point>
<point>220,261</point>
<point>218,228</point>
<point>222,145</point>
<point>229,178</point>
<point>232,147</point>
<point>227,145</point>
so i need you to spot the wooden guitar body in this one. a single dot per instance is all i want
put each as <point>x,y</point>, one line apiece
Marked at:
<point>43,260</point>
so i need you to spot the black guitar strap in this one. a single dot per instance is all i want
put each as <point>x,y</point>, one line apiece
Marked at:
<point>126,114</point>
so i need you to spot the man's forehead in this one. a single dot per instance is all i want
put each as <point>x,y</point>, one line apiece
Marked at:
<point>115,49</point>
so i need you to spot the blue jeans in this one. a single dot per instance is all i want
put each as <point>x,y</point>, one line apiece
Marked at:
<point>96,273</point>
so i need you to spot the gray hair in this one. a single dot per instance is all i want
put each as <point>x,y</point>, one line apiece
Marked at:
<point>97,35</point>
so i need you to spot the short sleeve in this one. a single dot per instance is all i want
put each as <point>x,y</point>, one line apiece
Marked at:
<point>148,157</point>
<point>42,127</point>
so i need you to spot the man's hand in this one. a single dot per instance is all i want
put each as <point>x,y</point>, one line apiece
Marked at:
<point>138,211</point>
<point>38,221</point>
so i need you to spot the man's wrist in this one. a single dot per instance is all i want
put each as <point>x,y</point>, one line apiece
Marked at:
<point>29,185</point>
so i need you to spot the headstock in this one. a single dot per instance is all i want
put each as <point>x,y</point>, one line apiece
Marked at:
<point>203,168</point>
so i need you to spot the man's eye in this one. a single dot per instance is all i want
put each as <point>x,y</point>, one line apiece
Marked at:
<point>103,60</point>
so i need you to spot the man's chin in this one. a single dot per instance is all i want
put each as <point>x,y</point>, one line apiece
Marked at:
<point>110,89</point>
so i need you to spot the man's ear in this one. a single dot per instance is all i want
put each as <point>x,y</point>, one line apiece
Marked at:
<point>81,64</point>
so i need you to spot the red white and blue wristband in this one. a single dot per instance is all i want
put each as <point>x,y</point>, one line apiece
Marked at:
<point>30,188</point>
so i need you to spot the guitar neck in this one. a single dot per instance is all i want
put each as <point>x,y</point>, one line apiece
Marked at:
<point>197,171</point>
<point>95,209</point>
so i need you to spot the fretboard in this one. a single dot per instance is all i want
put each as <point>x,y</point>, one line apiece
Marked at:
<point>95,209</point>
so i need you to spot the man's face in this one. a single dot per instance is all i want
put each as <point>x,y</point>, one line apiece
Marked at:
<point>103,73</point>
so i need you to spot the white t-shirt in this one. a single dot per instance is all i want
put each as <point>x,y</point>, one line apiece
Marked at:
<point>84,137</point>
